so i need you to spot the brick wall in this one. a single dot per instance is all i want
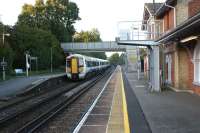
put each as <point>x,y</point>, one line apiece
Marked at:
<point>183,68</point>
<point>195,88</point>
<point>193,7</point>
<point>188,68</point>
<point>181,11</point>
<point>171,19</point>
<point>173,68</point>
<point>168,20</point>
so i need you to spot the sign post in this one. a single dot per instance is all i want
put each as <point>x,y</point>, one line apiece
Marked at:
<point>4,64</point>
<point>27,64</point>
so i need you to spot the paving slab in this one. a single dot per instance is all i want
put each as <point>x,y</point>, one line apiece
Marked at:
<point>168,111</point>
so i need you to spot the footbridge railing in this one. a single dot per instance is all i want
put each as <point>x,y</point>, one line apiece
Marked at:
<point>92,47</point>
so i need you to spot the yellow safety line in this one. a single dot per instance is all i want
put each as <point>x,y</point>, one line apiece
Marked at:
<point>126,121</point>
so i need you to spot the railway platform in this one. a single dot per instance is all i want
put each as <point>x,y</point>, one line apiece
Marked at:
<point>12,87</point>
<point>109,111</point>
<point>113,111</point>
<point>164,112</point>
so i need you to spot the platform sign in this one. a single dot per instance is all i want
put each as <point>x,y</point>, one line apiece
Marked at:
<point>33,58</point>
<point>3,64</point>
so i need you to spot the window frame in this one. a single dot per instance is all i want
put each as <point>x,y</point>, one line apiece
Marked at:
<point>196,62</point>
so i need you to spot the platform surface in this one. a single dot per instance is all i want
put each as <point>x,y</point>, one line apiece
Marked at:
<point>166,111</point>
<point>109,114</point>
<point>13,86</point>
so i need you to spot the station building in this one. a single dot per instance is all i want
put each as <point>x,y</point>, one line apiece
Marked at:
<point>175,24</point>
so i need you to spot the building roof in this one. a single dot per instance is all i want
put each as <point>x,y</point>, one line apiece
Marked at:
<point>150,7</point>
<point>162,9</point>
<point>149,10</point>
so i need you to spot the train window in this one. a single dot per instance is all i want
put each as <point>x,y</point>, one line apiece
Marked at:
<point>88,63</point>
<point>68,63</point>
<point>81,62</point>
<point>92,63</point>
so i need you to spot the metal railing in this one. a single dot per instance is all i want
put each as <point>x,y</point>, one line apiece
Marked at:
<point>92,46</point>
<point>140,30</point>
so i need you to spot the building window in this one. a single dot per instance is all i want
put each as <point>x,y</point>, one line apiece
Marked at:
<point>169,68</point>
<point>197,64</point>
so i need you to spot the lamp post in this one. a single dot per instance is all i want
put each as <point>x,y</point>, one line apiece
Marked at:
<point>51,60</point>
<point>27,62</point>
<point>3,63</point>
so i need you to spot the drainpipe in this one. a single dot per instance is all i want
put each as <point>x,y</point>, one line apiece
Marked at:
<point>174,12</point>
<point>151,16</point>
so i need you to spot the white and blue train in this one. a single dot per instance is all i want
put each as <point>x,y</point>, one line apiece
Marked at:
<point>79,66</point>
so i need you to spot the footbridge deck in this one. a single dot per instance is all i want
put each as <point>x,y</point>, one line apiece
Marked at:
<point>93,47</point>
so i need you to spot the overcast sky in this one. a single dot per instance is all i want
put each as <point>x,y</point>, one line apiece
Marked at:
<point>100,14</point>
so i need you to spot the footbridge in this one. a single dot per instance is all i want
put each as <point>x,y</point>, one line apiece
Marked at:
<point>93,47</point>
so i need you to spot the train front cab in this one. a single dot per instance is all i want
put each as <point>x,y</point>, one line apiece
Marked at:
<point>72,68</point>
<point>75,68</point>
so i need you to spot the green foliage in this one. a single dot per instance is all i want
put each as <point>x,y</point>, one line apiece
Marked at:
<point>143,53</point>
<point>115,59</point>
<point>5,49</point>
<point>7,53</point>
<point>57,16</point>
<point>100,55</point>
<point>38,43</point>
<point>88,36</point>
<point>122,59</point>
<point>40,28</point>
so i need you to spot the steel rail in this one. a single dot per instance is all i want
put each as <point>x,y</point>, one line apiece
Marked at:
<point>73,95</point>
<point>5,120</point>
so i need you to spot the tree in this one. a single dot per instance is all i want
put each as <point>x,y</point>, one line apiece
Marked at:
<point>38,43</point>
<point>122,59</point>
<point>57,16</point>
<point>5,49</point>
<point>115,59</point>
<point>90,36</point>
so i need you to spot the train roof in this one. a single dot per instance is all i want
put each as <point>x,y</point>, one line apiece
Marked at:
<point>87,57</point>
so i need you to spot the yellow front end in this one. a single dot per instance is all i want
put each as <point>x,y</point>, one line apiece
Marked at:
<point>74,66</point>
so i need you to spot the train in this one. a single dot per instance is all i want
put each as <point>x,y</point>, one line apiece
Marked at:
<point>79,66</point>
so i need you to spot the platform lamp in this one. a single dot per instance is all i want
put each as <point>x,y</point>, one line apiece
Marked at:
<point>3,63</point>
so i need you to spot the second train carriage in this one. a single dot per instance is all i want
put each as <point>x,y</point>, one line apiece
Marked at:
<point>78,66</point>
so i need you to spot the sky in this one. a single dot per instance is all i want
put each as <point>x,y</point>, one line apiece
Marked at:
<point>101,14</point>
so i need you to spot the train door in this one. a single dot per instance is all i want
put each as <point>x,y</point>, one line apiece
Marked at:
<point>74,64</point>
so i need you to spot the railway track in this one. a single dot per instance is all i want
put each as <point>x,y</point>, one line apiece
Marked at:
<point>71,97</point>
<point>15,111</point>
<point>32,108</point>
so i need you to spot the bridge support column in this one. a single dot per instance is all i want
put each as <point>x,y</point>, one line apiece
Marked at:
<point>154,67</point>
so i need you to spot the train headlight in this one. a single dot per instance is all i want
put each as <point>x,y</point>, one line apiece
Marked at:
<point>80,69</point>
